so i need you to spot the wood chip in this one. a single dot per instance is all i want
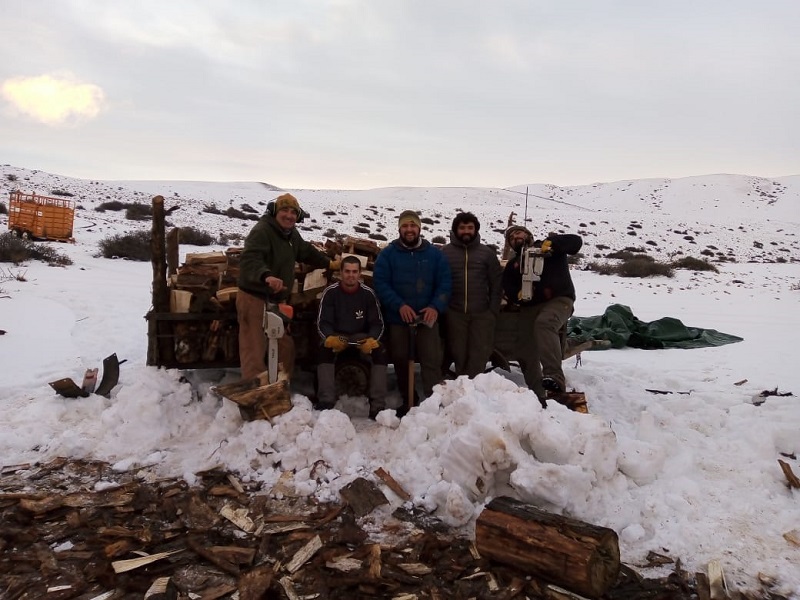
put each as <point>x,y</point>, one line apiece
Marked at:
<point>392,484</point>
<point>238,516</point>
<point>235,483</point>
<point>794,482</point>
<point>741,382</point>
<point>345,564</point>
<point>122,566</point>
<point>305,553</point>
<point>793,537</point>
<point>288,587</point>
<point>415,568</point>
<point>159,586</point>
<point>375,561</point>
<point>718,588</point>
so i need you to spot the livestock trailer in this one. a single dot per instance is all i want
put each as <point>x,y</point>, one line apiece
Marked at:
<point>40,217</point>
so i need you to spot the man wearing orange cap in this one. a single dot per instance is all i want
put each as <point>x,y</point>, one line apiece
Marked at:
<point>266,274</point>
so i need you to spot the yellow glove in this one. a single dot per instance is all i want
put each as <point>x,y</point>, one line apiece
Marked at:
<point>547,246</point>
<point>368,345</point>
<point>335,265</point>
<point>336,343</point>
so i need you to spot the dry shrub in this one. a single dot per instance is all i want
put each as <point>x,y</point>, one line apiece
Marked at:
<point>195,237</point>
<point>694,264</point>
<point>17,251</point>
<point>644,266</point>
<point>133,246</point>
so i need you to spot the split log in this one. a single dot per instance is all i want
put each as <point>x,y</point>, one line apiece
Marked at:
<point>205,258</point>
<point>258,400</point>
<point>572,400</point>
<point>578,556</point>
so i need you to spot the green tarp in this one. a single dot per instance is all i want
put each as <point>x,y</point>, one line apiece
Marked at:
<point>619,326</point>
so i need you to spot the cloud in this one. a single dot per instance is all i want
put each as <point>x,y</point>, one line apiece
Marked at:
<point>54,99</point>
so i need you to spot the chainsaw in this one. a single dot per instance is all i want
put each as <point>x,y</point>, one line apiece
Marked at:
<point>531,265</point>
<point>274,329</point>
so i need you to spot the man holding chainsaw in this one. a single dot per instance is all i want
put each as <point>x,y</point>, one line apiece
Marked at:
<point>266,276</point>
<point>412,279</point>
<point>350,316</point>
<point>537,279</point>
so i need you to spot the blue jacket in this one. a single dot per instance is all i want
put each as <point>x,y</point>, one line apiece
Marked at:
<point>419,277</point>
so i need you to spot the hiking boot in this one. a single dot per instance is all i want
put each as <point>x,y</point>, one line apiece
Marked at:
<point>373,412</point>
<point>551,385</point>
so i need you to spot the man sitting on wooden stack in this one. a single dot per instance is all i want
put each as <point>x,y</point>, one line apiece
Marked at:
<point>349,315</point>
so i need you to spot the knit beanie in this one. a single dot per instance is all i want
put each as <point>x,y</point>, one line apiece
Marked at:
<point>408,216</point>
<point>515,228</point>
<point>287,201</point>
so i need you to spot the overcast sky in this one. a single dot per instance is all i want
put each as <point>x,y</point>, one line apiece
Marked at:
<point>352,94</point>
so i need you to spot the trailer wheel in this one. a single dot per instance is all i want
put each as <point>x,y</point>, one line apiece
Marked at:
<point>26,235</point>
<point>352,376</point>
<point>15,233</point>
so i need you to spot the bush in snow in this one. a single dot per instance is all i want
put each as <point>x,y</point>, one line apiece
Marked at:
<point>134,246</point>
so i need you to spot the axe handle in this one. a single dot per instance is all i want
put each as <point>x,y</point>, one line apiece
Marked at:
<point>412,342</point>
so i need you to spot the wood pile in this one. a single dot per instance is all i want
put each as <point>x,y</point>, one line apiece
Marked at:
<point>61,538</point>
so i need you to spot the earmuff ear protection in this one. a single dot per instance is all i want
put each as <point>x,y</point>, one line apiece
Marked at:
<point>272,211</point>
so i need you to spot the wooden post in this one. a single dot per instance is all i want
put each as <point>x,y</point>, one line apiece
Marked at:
<point>173,244</point>
<point>575,555</point>
<point>160,332</point>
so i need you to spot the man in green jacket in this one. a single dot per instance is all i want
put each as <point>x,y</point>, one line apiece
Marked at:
<point>266,274</point>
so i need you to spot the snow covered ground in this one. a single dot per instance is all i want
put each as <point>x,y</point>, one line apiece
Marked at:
<point>693,474</point>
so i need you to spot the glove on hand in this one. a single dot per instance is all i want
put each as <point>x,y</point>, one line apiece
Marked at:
<point>547,247</point>
<point>336,343</point>
<point>335,265</point>
<point>368,345</point>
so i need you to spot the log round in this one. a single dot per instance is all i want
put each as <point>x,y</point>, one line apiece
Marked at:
<point>575,555</point>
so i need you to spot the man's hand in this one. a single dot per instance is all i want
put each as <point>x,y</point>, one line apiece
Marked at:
<point>407,314</point>
<point>547,247</point>
<point>337,343</point>
<point>274,284</point>
<point>368,345</point>
<point>429,315</point>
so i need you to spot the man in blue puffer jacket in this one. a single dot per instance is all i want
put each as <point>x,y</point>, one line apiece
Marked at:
<point>413,283</point>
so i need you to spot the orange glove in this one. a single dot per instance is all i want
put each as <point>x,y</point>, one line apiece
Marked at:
<point>368,345</point>
<point>547,247</point>
<point>335,265</point>
<point>336,343</point>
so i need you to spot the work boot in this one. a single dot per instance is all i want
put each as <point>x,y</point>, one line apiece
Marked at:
<point>551,385</point>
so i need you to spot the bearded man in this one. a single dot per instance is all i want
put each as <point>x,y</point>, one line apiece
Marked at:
<point>475,301</point>
<point>542,317</point>
<point>412,280</point>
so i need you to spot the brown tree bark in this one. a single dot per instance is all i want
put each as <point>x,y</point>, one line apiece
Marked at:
<point>575,555</point>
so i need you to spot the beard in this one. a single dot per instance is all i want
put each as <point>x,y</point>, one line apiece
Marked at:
<point>518,245</point>
<point>410,239</point>
<point>466,238</point>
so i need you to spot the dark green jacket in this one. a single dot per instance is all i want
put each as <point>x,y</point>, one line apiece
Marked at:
<point>270,251</point>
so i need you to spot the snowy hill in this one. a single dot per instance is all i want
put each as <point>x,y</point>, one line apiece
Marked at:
<point>724,217</point>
